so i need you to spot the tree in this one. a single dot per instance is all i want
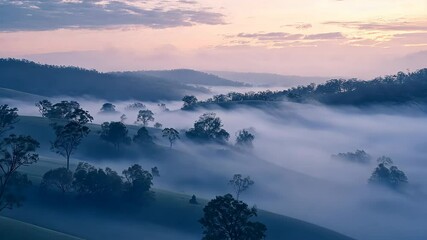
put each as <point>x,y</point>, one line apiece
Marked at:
<point>108,108</point>
<point>137,182</point>
<point>68,138</point>
<point>123,118</point>
<point>193,200</point>
<point>388,176</point>
<point>145,116</point>
<point>142,137</point>
<point>163,107</point>
<point>359,156</point>
<point>8,117</point>
<point>64,110</point>
<point>189,101</point>
<point>227,218</point>
<point>97,183</point>
<point>135,106</point>
<point>155,172</point>
<point>59,178</point>
<point>158,125</point>
<point>15,151</point>
<point>240,184</point>
<point>115,133</point>
<point>171,134</point>
<point>207,129</point>
<point>244,138</point>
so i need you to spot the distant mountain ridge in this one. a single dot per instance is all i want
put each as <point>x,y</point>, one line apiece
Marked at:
<point>50,81</point>
<point>269,79</point>
<point>185,76</point>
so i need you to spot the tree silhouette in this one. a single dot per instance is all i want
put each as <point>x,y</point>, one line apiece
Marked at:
<point>64,110</point>
<point>144,116</point>
<point>227,218</point>
<point>115,133</point>
<point>189,101</point>
<point>207,129</point>
<point>138,182</point>
<point>388,176</point>
<point>60,178</point>
<point>108,108</point>
<point>142,137</point>
<point>68,138</point>
<point>171,134</point>
<point>240,184</point>
<point>244,138</point>
<point>15,151</point>
<point>8,117</point>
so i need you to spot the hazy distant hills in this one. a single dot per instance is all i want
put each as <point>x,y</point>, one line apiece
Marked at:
<point>269,79</point>
<point>185,76</point>
<point>50,81</point>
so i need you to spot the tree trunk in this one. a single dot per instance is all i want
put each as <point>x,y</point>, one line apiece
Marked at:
<point>68,162</point>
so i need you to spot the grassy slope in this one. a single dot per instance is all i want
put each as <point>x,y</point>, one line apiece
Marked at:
<point>11,229</point>
<point>170,211</point>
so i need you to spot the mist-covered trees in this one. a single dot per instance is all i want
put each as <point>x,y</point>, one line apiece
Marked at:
<point>189,101</point>
<point>15,152</point>
<point>135,106</point>
<point>137,182</point>
<point>108,108</point>
<point>208,129</point>
<point>8,117</point>
<point>193,200</point>
<point>142,137</point>
<point>115,133</point>
<point>244,138</point>
<point>240,184</point>
<point>359,156</point>
<point>58,179</point>
<point>171,134</point>
<point>97,183</point>
<point>64,110</point>
<point>144,117</point>
<point>386,174</point>
<point>227,218</point>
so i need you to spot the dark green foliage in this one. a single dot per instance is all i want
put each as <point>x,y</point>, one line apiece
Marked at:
<point>388,176</point>
<point>59,179</point>
<point>244,138</point>
<point>115,133</point>
<point>8,117</point>
<point>227,218</point>
<point>208,129</point>
<point>240,184</point>
<point>137,182</point>
<point>97,183</point>
<point>144,117</point>
<point>15,151</point>
<point>68,138</point>
<point>359,156</point>
<point>51,81</point>
<point>171,134</point>
<point>142,137</point>
<point>64,110</point>
<point>193,200</point>
<point>108,108</point>
<point>189,101</point>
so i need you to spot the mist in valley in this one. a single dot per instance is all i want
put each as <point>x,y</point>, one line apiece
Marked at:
<point>291,161</point>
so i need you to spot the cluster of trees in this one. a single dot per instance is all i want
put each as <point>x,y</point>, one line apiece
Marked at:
<point>386,174</point>
<point>399,88</point>
<point>359,156</point>
<point>90,182</point>
<point>15,151</point>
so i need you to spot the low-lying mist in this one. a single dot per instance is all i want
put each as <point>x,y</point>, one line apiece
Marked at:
<point>291,162</point>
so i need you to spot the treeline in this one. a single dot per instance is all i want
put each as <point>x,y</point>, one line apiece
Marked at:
<point>392,89</point>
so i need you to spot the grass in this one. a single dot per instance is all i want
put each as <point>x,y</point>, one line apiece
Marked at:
<point>11,229</point>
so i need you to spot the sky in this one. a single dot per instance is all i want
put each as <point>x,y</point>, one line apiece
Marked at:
<point>345,38</point>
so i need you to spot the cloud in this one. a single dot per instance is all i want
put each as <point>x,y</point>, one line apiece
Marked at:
<point>382,26</point>
<point>325,36</point>
<point>56,14</point>
<point>300,25</point>
<point>284,37</point>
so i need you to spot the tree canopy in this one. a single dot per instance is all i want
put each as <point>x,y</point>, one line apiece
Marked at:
<point>208,129</point>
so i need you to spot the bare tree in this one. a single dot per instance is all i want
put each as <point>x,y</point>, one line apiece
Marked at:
<point>171,134</point>
<point>240,184</point>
